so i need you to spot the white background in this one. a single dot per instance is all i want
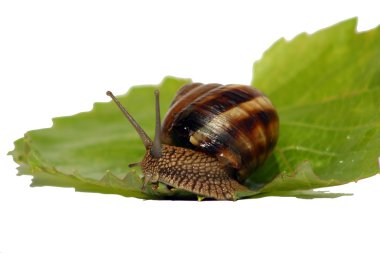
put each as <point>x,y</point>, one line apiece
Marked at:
<point>58,57</point>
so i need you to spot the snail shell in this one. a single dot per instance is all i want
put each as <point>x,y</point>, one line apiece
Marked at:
<point>236,123</point>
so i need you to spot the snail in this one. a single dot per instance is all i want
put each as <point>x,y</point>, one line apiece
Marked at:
<point>212,138</point>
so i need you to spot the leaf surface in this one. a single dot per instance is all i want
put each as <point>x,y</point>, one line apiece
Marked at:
<point>325,86</point>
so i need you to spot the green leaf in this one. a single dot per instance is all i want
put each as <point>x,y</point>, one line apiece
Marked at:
<point>325,87</point>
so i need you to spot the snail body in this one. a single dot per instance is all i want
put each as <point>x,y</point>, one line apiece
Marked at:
<point>212,138</point>
<point>192,171</point>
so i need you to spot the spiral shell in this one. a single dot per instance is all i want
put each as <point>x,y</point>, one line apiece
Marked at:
<point>236,123</point>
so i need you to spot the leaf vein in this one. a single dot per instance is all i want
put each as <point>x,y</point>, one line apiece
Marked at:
<point>311,150</point>
<point>327,128</point>
<point>327,100</point>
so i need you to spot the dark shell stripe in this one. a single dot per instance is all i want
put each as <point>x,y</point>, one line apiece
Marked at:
<point>185,91</point>
<point>185,96</point>
<point>189,116</point>
<point>259,128</point>
<point>222,99</point>
<point>243,132</point>
<point>219,100</point>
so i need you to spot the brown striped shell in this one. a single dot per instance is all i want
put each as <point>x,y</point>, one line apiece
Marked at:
<point>236,123</point>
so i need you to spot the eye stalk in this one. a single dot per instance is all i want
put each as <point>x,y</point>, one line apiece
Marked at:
<point>144,137</point>
<point>156,150</point>
<point>155,147</point>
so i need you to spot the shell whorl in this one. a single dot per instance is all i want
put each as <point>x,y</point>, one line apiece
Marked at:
<point>237,123</point>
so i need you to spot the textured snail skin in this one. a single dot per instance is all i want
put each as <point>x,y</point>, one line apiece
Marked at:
<point>235,123</point>
<point>193,171</point>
